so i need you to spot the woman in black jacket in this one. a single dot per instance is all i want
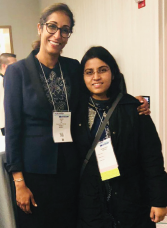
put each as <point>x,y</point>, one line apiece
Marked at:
<point>136,197</point>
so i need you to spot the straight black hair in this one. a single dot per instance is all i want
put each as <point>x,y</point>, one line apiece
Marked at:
<point>104,55</point>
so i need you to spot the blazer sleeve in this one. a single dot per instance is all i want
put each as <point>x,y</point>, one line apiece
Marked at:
<point>13,103</point>
<point>152,162</point>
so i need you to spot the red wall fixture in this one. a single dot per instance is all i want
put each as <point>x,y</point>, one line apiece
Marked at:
<point>141,4</point>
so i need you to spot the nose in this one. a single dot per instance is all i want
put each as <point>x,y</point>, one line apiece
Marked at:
<point>96,76</point>
<point>57,34</point>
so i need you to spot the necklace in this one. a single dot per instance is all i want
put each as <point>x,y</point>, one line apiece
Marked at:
<point>101,118</point>
<point>49,86</point>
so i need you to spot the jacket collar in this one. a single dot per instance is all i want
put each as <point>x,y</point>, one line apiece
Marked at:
<point>35,79</point>
<point>68,74</point>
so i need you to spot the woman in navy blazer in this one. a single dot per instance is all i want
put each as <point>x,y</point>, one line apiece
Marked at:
<point>45,173</point>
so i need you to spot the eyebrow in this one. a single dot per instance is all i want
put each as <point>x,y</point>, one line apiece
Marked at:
<point>52,22</point>
<point>97,68</point>
<point>56,23</point>
<point>102,66</point>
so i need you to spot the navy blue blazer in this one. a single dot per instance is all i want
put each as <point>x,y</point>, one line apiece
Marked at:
<point>28,118</point>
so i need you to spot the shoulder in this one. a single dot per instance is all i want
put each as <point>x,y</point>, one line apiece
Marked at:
<point>16,70</point>
<point>71,67</point>
<point>22,65</point>
<point>16,65</point>
<point>128,106</point>
<point>130,100</point>
<point>69,61</point>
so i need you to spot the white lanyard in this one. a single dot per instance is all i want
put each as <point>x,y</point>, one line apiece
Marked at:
<point>107,162</point>
<point>49,87</point>
<point>101,120</point>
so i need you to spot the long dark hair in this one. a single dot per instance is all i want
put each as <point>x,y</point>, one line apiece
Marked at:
<point>104,55</point>
<point>61,7</point>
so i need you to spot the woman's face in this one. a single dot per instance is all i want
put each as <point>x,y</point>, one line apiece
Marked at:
<point>54,43</point>
<point>98,78</point>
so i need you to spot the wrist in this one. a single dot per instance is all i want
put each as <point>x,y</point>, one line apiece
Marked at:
<point>18,179</point>
<point>20,183</point>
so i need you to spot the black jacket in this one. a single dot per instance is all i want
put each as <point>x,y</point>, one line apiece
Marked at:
<point>29,142</point>
<point>143,181</point>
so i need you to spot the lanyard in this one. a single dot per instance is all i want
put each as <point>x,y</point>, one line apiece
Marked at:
<point>49,87</point>
<point>97,138</point>
<point>101,119</point>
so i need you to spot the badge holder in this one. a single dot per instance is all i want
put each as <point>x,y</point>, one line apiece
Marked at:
<point>107,162</point>
<point>62,127</point>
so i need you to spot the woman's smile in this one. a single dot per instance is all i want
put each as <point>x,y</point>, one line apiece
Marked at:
<point>97,85</point>
<point>98,78</point>
<point>54,43</point>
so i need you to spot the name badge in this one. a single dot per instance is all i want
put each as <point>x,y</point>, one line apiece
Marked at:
<point>61,127</point>
<point>106,159</point>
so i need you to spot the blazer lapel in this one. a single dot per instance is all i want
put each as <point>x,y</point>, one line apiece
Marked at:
<point>35,79</point>
<point>70,73</point>
<point>66,75</point>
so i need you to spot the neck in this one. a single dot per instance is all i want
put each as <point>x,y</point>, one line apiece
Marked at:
<point>2,72</point>
<point>47,59</point>
<point>100,98</point>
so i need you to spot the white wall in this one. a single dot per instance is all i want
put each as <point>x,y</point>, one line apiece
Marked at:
<point>130,34</point>
<point>23,16</point>
<point>136,39</point>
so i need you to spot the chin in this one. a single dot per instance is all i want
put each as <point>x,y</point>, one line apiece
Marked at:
<point>55,52</point>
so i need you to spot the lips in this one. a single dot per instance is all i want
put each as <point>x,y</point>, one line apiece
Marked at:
<point>54,43</point>
<point>97,85</point>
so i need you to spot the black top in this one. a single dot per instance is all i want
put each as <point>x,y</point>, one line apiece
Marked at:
<point>97,111</point>
<point>56,85</point>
